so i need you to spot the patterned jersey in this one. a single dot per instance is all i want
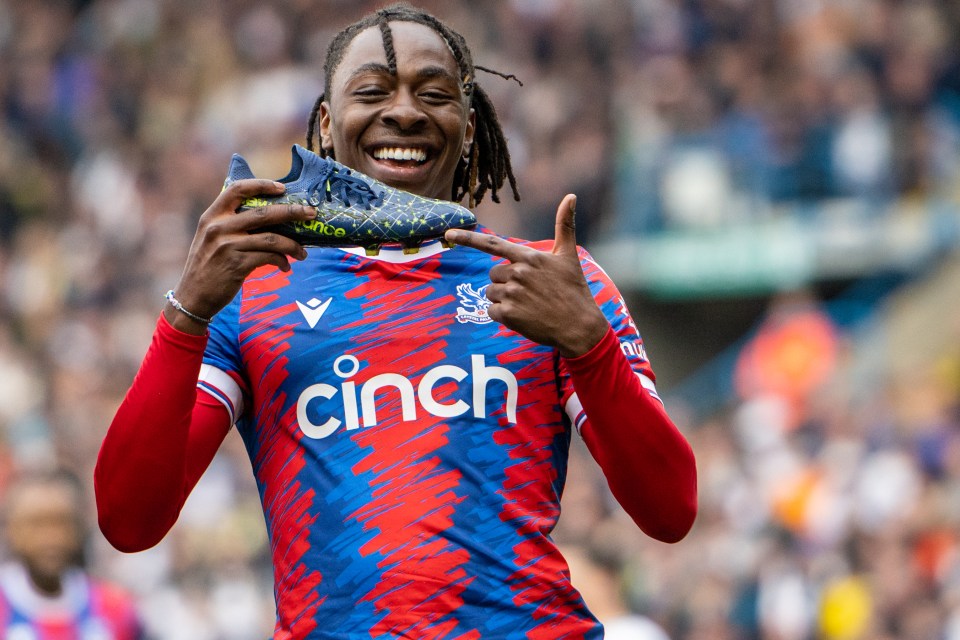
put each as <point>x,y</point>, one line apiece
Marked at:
<point>84,610</point>
<point>410,452</point>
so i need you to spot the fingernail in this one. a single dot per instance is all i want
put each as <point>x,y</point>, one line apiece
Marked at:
<point>280,185</point>
<point>453,235</point>
<point>573,205</point>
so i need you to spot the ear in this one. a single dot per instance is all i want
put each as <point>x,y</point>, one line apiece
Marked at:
<point>469,133</point>
<point>326,137</point>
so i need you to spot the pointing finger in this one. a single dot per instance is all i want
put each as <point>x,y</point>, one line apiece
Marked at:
<point>565,235</point>
<point>488,243</point>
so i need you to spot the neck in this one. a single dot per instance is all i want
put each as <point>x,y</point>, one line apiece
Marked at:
<point>48,585</point>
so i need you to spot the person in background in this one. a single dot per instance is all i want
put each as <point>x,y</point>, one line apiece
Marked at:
<point>45,593</point>
<point>597,572</point>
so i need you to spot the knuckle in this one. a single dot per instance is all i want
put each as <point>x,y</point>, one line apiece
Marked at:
<point>212,229</point>
<point>271,239</point>
<point>233,262</point>
<point>522,272</point>
<point>513,289</point>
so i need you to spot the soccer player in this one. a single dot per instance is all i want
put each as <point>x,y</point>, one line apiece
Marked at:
<point>407,416</point>
<point>44,592</point>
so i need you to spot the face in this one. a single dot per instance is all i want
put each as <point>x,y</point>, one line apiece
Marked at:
<point>43,530</point>
<point>408,130</point>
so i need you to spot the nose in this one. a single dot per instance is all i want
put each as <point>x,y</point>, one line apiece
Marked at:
<point>403,112</point>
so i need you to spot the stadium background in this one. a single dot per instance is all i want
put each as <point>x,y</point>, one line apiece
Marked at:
<point>773,183</point>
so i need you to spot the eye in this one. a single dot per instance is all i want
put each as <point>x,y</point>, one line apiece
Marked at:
<point>370,92</point>
<point>436,96</point>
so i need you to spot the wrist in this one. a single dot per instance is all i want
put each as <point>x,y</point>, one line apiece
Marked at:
<point>587,336</point>
<point>181,318</point>
<point>182,323</point>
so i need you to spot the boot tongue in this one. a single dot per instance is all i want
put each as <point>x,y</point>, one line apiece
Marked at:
<point>239,169</point>
<point>298,162</point>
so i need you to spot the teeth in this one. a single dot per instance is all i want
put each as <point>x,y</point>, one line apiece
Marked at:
<point>398,153</point>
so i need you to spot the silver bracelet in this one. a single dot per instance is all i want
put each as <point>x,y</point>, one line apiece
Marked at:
<point>179,307</point>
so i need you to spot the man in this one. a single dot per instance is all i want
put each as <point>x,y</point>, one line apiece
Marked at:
<point>407,416</point>
<point>44,594</point>
<point>597,572</point>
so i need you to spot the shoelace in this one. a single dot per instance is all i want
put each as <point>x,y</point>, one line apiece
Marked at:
<point>348,188</point>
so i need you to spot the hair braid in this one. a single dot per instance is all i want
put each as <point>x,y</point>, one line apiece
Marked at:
<point>488,165</point>
<point>312,124</point>
<point>387,36</point>
<point>472,184</point>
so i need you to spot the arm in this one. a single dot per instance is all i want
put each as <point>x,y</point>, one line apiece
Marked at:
<point>648,463</point>
<point>165,433</point>
<point>161,440</point>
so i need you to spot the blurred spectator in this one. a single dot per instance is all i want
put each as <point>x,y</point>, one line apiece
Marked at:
<point>597,576</point>
<point>791,356</point>
<point>45,592</point>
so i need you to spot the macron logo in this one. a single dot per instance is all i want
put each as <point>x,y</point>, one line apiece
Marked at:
<point>313,310</point>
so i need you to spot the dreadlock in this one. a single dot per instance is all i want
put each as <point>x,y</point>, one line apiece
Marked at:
<point>488,164</point>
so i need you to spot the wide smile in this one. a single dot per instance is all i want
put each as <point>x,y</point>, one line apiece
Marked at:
<point>401,166</point>
<point>402,155</point>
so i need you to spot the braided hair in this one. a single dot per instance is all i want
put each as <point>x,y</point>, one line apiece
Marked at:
<point>488,165</point>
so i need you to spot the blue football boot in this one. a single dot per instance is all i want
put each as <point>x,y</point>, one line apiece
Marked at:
<point>353,210</point>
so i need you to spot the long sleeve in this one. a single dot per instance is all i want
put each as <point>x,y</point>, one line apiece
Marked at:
<point>161,440</point>
<point>648,463</point>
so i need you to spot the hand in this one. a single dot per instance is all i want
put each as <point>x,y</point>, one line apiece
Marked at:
<point>542,295</point>
<point>224,252</point>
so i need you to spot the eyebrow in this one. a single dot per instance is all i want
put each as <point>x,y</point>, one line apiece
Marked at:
<point>370,67</point>
<point>425,73</point>
<point>436,72</point>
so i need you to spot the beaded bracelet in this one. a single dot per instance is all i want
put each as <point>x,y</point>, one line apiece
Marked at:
<point>179,307</point>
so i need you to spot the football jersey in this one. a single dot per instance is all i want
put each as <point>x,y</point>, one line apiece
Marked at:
<point>84,610</point>
<point>409,451</point>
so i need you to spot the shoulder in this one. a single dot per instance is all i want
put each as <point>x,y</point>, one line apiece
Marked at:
<point>112,598</point>
<point>117,607</point>
<point>634,627</point>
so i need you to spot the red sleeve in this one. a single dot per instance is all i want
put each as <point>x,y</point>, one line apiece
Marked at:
<point>161,440</point>
<point>648,463</point>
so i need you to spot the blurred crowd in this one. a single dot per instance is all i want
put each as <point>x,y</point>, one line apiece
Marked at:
<point>828,494</point>
<point>827,510</point>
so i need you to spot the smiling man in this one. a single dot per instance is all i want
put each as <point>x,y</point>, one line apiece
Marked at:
<point>374,121</point>
<point>408,416</point>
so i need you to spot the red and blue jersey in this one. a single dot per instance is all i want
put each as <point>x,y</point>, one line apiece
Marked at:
<point>409,451</point>
<point>84,610</point>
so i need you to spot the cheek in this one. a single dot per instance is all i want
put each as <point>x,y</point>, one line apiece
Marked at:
<point>455,127</point>
<point>337,122</point>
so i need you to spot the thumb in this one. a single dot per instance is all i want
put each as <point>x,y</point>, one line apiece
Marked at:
<point>565,235</point>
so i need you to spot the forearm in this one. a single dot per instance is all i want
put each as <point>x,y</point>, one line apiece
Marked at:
<point>143,472</point>
<point>648,463</point>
